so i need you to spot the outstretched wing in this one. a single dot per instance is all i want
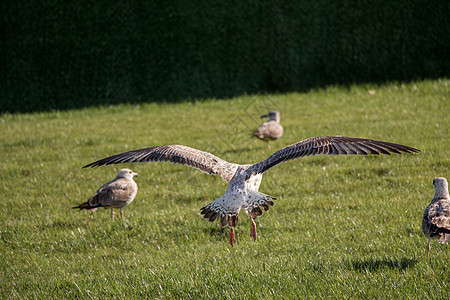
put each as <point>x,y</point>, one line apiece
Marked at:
<point>328,145</point>
<point>177,154</point>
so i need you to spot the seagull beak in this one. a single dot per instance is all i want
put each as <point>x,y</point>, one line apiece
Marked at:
<point>265,116</point>
<point>135,175</point>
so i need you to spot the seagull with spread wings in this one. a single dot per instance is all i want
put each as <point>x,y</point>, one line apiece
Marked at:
<point>244,180</point>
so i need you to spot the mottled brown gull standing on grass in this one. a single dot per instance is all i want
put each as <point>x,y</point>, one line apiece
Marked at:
<point>244,180</point>
<point>436,218</point>
<point>117,193</point>
<point>270,130</point>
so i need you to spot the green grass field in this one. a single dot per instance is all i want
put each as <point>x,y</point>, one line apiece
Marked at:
<point>342,227</point>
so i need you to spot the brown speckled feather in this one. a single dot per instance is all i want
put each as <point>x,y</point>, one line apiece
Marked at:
<point>177,154</point>
<point>117,193</point>
<point>328,145</point>
<point>436,220</point>
<point>270,130</point>
<point>436,217</point>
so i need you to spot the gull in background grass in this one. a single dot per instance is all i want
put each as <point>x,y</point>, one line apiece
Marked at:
<point>436,217</point>
<point>117,193</point>
<point>270,130</point>
<point>244,180</point>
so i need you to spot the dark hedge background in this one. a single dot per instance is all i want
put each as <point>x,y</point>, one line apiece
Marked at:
<point>71,54</point>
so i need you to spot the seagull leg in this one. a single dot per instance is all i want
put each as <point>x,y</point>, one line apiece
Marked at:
<point>112,213</point>
<point>253,230</point>
<point>121,214</point>
<point>232,237</point>
<point>428,249</point>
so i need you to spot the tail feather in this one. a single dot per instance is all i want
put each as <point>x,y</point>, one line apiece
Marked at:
<point>215,210</point>
<point>444,236</point>
<point>232,220</point>
<point>258,203</point>
<point>255,207</point>
<point>223,221</point>
<point>85,205</point>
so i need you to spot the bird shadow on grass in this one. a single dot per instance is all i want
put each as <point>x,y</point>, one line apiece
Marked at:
<point>374,265</point>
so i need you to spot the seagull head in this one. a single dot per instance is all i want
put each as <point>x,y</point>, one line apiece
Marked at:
<point>272,115</point>
<point>126,173</point>
<point>441,186</point>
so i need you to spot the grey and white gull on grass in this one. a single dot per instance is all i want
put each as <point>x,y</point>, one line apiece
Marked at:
<point>117,193</point>
<point>436,217</point>
<point>270,130</point>
<point>244,180</point>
